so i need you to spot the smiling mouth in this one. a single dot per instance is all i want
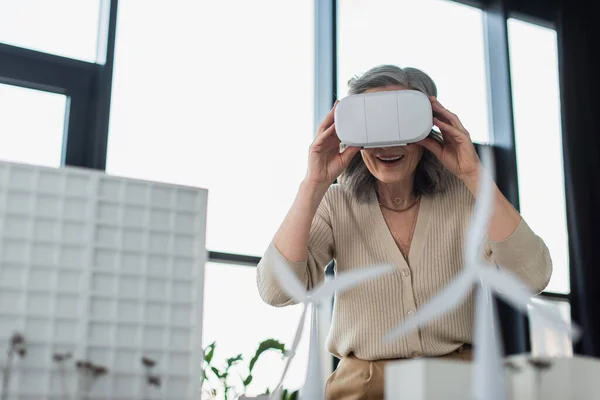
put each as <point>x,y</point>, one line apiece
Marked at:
<point>390,160</point>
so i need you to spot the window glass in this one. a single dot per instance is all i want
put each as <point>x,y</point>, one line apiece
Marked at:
<point>216,99</point>
<point>442,38</point>
<point>66,28</point>
<point>32,126</point>
<point>536,107</point>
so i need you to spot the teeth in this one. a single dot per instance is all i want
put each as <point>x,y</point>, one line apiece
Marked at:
<point>390,158</point>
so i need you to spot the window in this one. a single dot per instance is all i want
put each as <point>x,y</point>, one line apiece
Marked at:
<point>442,38</point>
<point>216,99</point>
<point>239,326</point>
<point>66,28</point>
<point>32,125</point>
<point>536,107</point>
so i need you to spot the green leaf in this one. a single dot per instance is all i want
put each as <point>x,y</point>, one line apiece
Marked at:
<point>216,372</point>
<point>211,352</point>
<point>269,344</point>
<point>247,380</point>
<point>287,395</point>
<point>231,361</point>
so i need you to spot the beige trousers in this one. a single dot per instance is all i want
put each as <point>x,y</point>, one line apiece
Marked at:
<point>356,379</point>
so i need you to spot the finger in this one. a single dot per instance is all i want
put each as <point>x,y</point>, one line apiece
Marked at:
<point>330,131</point>
<point>441,117</point>
<point>328,136</point>
<point>449,131</point>
<point>348,154</point>
<point>433,146</point>
<point>328,120</point>
<point>446,114</point>
<point>437,114</point>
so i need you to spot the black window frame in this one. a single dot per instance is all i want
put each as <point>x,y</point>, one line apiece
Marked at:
<point>86,85</point>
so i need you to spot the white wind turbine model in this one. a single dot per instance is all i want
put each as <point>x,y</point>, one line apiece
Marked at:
<point>314,388</point>
<point>488,376</point>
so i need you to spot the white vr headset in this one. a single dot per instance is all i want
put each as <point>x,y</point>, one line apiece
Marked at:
<point>383,119</point>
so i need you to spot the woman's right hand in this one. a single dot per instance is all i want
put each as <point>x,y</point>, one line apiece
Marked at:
<point>325,162</point>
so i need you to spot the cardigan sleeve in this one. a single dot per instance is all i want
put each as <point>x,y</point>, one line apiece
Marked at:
<point>525,254</point>
<point>311,272</point>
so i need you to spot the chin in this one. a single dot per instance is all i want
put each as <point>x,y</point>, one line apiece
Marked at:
<point>390,178</point>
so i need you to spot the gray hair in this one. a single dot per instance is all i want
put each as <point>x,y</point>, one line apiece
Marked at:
<point>430,176</point>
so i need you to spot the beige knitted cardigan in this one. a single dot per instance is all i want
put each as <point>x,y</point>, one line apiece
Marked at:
<point>355,235</point>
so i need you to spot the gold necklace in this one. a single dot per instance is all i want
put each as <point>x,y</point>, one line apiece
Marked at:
<point>402,209</point>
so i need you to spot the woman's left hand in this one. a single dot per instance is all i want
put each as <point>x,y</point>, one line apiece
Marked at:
<point>457,152</point>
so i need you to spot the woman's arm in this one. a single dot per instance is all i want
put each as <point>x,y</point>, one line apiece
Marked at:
<point>304,242</point>
<point>291,238</point>
<point>305,238</point>
<point>511,244</point>
<point>504,219</point>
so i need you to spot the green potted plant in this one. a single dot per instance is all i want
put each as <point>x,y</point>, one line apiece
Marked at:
<point>227,380</point>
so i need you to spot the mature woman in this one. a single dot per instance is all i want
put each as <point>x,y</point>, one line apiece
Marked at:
<point>409,206</point>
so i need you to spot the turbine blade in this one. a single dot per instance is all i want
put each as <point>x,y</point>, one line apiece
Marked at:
<point>292,353</point>
<point>513,291</point>
<point>552,316</point>
<point>288,280</point>
<point>348,279</point>
<point>507,286</point>
<point>446,300</point>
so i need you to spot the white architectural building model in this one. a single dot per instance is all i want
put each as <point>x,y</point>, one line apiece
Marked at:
<point>105,268</point>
